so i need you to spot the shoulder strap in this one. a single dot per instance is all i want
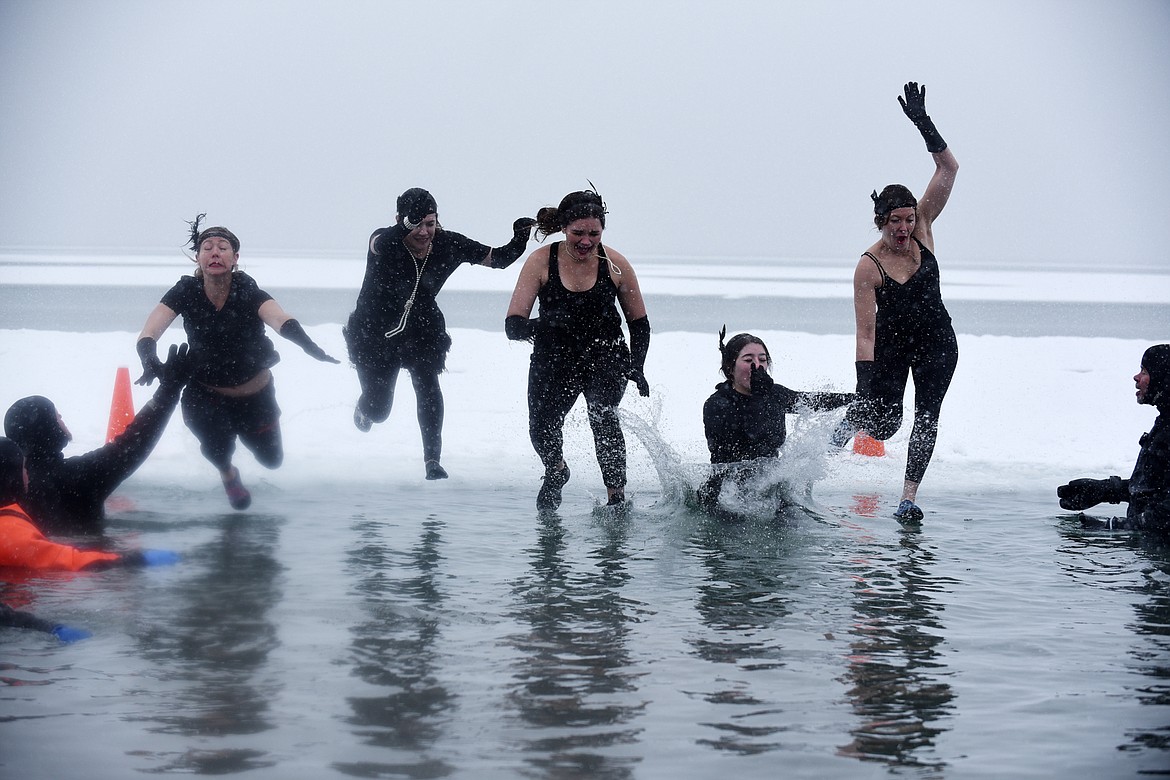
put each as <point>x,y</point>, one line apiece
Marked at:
<point>554,256</point>
<point>881,270</point>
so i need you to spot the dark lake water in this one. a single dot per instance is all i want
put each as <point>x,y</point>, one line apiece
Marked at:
<point>407,630</point>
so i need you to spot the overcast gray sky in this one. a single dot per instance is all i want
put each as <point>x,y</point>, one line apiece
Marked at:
<point>714,128</point>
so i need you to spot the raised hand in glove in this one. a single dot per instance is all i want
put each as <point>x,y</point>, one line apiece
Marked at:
<point>1085,493</point>
<point>152,367</point>
<point>176,372</point>
<point>761,381</point>
<point>914,106</point>
<point>522,228</point>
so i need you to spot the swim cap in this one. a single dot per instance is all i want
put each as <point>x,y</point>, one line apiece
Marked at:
<point>414,205</point>
<point>893,196</point>
<point>1156,362</point>
<point>11,472</point>
<point>32,423</point>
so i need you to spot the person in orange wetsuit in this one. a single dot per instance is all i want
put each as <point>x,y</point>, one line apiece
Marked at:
<point>22,545</point>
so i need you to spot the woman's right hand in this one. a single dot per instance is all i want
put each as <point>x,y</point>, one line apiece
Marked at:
<point>152,367</point>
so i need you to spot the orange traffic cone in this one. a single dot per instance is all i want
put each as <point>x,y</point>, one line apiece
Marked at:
<point>864,444</point>
<point>122,407</point>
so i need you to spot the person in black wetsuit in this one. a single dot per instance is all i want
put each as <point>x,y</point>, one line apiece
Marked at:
<point>1147,491</point>
<point>397,322</point>
<point>578,346</point>
<point>903,328</point>
<point>232,393</point>
<point>67,495</point>
<point>744,419</point>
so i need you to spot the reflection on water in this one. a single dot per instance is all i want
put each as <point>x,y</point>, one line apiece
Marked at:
<point>1140,567</point>
<point>208,638</point>
<point>473,639</point>
<point>897,680</point>
<point>745,596</point>
<point>576,688</point>
<point>393,651</point>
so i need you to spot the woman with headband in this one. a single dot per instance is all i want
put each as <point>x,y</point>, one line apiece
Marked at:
<point>903,328</point>
<point>232,392</point>
<point>578,346</point>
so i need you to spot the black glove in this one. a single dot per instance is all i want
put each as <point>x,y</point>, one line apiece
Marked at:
<point>520,328</point>
<point>522,228</point>
<point>1085,493</point>
<point>176,372</point>
<point>639,348</point>
<point>293,331</point>
<point>636,376</point>
<point>914,106</point>
<point>865,371</point>
<point>151,365</point>
<point>504,256</point>
<point>761,381</point>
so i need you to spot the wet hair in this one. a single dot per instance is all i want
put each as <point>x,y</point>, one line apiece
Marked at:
<point>11,472</point>
<point>730,351</point>
<point>198,236</point>
<point>893,196</point>
<point>414,205</point>
<point>32,423</point>
<point>583,204</point>
<point>1156,362</point>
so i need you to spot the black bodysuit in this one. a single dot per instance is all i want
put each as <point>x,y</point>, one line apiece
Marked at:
<point>913,336</point>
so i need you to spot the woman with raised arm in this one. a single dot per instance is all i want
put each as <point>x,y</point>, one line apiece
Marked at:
<point>903,328</point>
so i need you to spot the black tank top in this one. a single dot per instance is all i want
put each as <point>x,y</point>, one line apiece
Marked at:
<point>587,316</point>
<point>914,308</point>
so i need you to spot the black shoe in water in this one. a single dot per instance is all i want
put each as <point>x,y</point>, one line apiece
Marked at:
<point>435,471</point>
<point>549,496</point>
<point>908,512</point>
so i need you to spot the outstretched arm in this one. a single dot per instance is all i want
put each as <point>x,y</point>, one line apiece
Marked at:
<point>279,320</point>
<point>504,256</point>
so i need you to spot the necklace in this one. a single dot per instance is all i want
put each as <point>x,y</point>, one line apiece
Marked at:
<point>418,272</point>
<point>415,257</point>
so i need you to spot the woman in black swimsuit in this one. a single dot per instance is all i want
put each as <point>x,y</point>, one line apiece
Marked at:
<point>578,346</point>
<point>903,328</point>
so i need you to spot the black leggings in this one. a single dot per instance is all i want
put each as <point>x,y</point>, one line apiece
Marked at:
<point>555,380</point>
<point>217,419</point>
<point>378,397</point>
<point>932,366</point>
